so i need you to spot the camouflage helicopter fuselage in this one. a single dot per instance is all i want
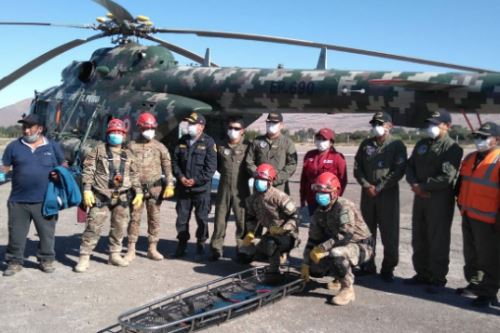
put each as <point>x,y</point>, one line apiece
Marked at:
<point>128,79</point>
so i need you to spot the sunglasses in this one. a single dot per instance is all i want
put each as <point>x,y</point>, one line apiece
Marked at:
<point>235,128</point>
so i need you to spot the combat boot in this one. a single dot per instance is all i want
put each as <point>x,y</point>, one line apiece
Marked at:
<point>345,296</point>
<point>12,269</point>
<point>334,285</point>
<point>130,256</point>
<point>83,263</point>
<point>153,252</point>
<point>117,260</point>
<point>181,249</point>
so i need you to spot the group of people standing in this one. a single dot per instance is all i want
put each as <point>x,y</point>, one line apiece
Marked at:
<point>120,180</point>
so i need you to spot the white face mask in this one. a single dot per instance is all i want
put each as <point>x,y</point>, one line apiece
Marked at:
<point>193,130</point>
<point>482,144</point>
<point>378,130</point>
<point>233,134</point>
<point>272,128</point>
<point>433,131</point>
<point>148,134</point>
<point>322,145</point>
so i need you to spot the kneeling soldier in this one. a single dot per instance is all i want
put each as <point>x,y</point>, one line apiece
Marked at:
<point>274,210</point>
<point>109,175</point>
<point>338,238</point>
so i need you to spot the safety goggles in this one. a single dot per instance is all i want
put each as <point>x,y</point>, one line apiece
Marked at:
<point>323,188</point>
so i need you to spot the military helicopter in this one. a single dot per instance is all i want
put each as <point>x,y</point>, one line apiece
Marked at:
<point>129,78</point>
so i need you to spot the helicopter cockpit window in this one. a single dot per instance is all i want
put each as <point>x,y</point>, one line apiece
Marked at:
<point>86,72</point>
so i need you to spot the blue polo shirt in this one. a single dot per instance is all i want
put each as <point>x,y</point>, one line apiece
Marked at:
<point>31,169</point>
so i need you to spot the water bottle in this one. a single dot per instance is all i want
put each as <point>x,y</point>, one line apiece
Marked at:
<point>2,174</point>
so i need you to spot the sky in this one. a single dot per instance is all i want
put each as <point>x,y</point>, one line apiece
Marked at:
<point>457,31</point>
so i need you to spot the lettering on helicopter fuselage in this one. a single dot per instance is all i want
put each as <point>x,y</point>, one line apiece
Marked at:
<point>295,87</point>
<point>87,99</point>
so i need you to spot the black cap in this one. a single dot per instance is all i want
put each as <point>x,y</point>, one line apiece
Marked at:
<point>487,129</point>
<point>30,120</point>
<point>274,117</point>
<point>196,118</point>
<point>381,117</point>
<point>439,116</point>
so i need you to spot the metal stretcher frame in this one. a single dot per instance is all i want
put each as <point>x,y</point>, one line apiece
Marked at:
<point>211,303</point>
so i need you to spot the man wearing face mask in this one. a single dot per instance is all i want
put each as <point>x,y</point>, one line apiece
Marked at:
<point>275,149</point>
<point>153,160</point>
<point>478,199</point>
<point>274,210</point>
<point>233,187</point>
<point>431,173</point>
<point>322,159</point>
<point>338,240</point>
<point>194,163</point>
<point>110,178</point>
<point>379,165</point>
<point>32,157</point>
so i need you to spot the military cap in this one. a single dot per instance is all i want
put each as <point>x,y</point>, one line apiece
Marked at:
<point>30,120</point>
<point>326,133</point>
<point>487,129</point>
<point>439,116</point>
<point>196,118</point>
<point>274,117</point>
<point>381,117</point>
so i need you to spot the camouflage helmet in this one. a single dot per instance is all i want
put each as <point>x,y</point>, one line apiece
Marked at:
<point>147,120</point>
<point>116,124</point>
<point>266,172</point>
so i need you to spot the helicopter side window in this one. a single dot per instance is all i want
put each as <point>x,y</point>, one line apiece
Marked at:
<point>86,72</point>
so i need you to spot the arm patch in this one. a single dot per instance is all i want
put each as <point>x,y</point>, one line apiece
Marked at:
<point>290,208</point>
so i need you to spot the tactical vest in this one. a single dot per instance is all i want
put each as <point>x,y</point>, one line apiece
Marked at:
<point>479,194</point>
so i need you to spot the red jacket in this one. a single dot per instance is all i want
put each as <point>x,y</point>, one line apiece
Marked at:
<point>315,163</point>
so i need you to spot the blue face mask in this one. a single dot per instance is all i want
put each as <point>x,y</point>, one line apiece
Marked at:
<point>30,138</point>
<point>115,139</point>
<point>323,199</point>
<point>261,185</point>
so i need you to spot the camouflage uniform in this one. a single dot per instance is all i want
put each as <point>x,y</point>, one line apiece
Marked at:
<point>273,208</point>
<point>109,199</point>
<point>434,165</point>
<point>340,231</point>
<point>232,192</point>
<point>152,158</point>
<point>279,152</point>
<point>382,165</point>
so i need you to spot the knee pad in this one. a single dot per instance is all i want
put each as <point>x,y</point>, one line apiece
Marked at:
<point>270,246</point>
<point>339,267</point>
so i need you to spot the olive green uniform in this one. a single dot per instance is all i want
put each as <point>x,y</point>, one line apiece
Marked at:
<point>279,152</point>
<point>232,192</point>
<point>434,165</point>
<point>382,165</point>
<point>113,198</point>
<point>152,159</point>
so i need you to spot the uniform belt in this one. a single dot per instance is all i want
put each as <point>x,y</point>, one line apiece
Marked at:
<point>156,183</point>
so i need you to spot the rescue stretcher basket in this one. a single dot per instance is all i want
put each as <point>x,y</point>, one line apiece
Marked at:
<point>211,303</point>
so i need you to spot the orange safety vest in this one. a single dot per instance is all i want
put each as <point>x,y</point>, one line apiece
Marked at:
<point>479,196</point>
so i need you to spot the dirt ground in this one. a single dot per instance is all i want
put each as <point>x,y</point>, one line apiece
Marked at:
<point>33,301</point>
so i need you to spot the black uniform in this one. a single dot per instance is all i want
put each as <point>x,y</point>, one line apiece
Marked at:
<point>196,161</point>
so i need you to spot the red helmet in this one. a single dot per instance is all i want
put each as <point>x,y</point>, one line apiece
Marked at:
<point>327,182</point>
<point>147,120</point>
<point>265,171</point>
<point>116,124</point>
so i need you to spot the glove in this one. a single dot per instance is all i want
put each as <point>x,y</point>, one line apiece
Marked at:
<point>88,198</point>
<point>317,253</point>
<point>249,237</point>
<point>137,202</point>
<point>169,192</point>
<point>304,272</point>
<point>276,231</point>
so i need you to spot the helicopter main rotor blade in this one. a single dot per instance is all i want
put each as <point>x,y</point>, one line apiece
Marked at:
<point>5,81</point>
<point>179,50</point>
<point>79,26</point>
<point>119,13</point>
<point>282,40</point>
